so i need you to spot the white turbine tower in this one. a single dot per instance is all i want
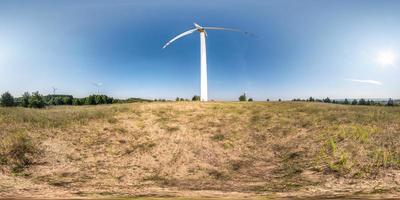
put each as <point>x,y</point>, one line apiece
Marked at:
<point>203,54</point>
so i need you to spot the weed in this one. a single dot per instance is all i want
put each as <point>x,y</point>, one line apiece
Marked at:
<point>18,150</point>
<point>218,137</point>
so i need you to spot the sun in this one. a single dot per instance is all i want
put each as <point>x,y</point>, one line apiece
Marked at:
<point>386,58</point>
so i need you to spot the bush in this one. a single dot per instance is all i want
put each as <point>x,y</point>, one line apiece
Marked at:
<point>7,100</point>
<point>243,97</point>
<point>250,99</point>
<point>36,100</point>
<point>354,102</point>
<point>346,102</point>
<point>17,151</point>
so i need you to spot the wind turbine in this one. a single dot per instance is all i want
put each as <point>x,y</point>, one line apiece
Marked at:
<point>54,90</point>
<point>203,54</point>
<point>98,85</point>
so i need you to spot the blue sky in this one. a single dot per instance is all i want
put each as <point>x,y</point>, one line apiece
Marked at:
<point>302,48</point>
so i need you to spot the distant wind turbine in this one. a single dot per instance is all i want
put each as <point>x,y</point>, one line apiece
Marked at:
<point>203,56</point>
<point>54,90</point>
<point>98,85</point>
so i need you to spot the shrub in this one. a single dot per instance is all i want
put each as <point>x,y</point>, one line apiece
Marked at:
<point>36,100</point>
<point>346,102</point>
<point>250,99</point>
<point>7,100</point>
<point>354,102</point>
<point>243,97</point>
<point>17,151</point>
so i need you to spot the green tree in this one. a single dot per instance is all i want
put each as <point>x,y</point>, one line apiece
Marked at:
<point>25,99</point>
<point>250,99</point>
<point>99,99</point>
<point>7,100</point>
<point>346,101</point>
<point>354,102</point>
<point>76,102</point>
<point>177,99</point>
<point>243,97</point>
<point>311,99</point>
<point>36,100</point>
<point>196,98</point>
<point>58,101</point>
<point>362,102</point>
<point>90,100</point>
<point>390,102</point>
<point>327,100</point>
<point>67,100</point>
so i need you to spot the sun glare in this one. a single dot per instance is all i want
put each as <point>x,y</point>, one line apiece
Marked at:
<point>386,58</point>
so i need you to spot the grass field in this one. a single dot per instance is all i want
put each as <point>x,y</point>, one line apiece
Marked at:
<point>199,149</point>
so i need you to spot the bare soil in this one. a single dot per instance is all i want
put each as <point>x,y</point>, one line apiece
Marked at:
<point>192,149</point>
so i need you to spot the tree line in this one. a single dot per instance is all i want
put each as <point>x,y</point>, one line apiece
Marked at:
<point>362,101</point>
<point>36,100</point>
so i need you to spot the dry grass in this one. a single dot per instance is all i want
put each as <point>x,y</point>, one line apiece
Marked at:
<point>246,147</point>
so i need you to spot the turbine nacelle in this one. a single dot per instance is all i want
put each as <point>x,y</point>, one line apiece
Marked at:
<point>199,28</point>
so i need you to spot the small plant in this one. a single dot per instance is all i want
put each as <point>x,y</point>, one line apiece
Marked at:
<point>218,137</point>
<point>17,151</point>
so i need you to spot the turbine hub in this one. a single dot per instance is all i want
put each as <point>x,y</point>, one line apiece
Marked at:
<point>198,27</point>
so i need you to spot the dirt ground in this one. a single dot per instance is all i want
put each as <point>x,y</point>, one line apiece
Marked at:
<point>197,150</point>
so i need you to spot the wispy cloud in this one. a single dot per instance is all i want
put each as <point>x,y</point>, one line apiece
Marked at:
<point>365,81</point>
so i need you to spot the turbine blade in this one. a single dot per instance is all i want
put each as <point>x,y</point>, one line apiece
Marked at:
<point>179,36</point>
<point>227,29</point>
